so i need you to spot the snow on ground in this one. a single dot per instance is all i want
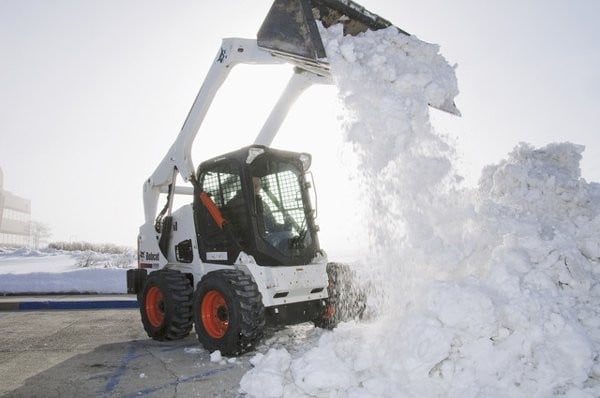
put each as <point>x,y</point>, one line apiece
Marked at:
<point>488,292</point>
<point>57,271</point>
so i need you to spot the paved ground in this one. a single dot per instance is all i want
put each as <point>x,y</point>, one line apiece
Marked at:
<point>105,353</point>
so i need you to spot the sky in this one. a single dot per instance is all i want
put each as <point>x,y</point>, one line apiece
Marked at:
<point>92,95</point>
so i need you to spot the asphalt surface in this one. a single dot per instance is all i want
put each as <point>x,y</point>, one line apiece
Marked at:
<point>104,353</point>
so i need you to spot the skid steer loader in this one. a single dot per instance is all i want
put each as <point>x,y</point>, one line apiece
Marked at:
<point>244,253</point>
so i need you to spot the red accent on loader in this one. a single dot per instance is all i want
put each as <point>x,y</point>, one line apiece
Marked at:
<point>212,209</point>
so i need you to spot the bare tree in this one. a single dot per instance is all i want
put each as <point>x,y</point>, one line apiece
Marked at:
<point>38,232</point>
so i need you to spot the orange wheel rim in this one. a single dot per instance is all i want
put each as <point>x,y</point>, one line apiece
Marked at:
<point>155,306</point>
<point>215,314</point>
<point>329,312</point>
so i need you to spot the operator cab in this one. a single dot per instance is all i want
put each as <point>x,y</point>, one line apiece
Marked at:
<point>265,200</point>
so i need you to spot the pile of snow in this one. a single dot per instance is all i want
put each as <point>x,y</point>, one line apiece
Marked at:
<point>488,292</point>
<point>25,270</point>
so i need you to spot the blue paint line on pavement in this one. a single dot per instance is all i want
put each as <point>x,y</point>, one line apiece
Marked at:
<point>114,380</point>
<point>182,380</point>
<point>72,305</point>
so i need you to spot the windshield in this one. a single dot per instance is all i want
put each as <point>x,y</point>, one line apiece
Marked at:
<point>280,207</point>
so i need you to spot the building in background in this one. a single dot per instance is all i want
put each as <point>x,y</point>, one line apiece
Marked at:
<point>15,218</point>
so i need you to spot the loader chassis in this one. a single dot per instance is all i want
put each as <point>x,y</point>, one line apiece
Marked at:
<point>249,207</point>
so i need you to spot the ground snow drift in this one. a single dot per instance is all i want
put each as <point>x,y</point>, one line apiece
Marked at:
<point>58,271</point>
<point>489,292</point>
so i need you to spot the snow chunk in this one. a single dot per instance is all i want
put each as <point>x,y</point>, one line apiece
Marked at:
<point>268,376</point>
<point>215,356</point>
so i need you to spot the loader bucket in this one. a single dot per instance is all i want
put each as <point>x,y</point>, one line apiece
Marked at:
<point>290,28</point>
<point>290,31</point>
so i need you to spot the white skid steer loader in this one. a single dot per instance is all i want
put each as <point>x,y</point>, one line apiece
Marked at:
<point>244,253</point>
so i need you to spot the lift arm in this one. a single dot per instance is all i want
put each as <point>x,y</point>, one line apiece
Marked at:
<point>178,159</point>
<point>233,51</point>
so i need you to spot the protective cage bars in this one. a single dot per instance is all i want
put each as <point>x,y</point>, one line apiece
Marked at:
<point>285,188</point>
<point>221,186</point>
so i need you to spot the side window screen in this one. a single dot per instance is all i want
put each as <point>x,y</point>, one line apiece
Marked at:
<point>221,185</point>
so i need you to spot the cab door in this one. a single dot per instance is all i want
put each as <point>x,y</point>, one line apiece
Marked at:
<point>222,183</point>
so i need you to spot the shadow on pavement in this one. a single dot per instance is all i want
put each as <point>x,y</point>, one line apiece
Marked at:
<point>139,368</point>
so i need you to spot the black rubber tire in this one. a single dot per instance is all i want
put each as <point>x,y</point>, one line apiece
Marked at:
<point>166,305</point>
<point>345,302</point>
<point>243,312</point>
